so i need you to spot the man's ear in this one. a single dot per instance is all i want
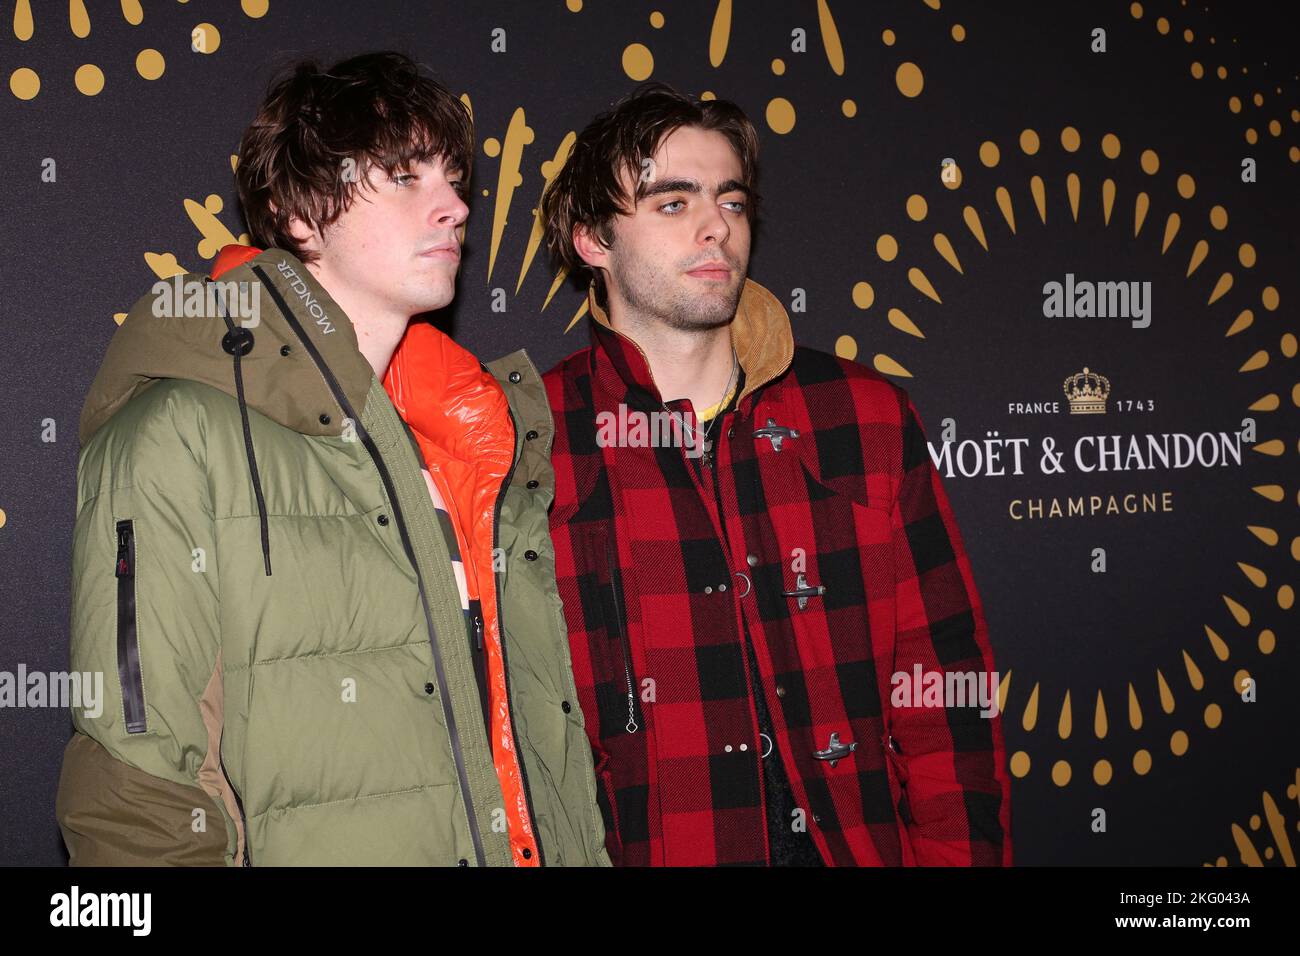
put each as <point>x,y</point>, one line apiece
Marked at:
<point>304,235</point>
<point>589,248</point>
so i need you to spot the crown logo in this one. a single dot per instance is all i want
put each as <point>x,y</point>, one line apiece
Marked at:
<point>1087,392</point>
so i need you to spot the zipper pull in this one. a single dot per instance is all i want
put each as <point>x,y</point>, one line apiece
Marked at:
<point>123,551</point>
<point>631,727</point>
<point>478,631</point>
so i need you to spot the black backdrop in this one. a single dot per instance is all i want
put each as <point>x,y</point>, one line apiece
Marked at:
<point>1122,687</point>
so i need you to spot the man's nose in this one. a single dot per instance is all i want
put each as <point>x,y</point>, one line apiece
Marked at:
<point>450,209</point>
<point>715,228</point>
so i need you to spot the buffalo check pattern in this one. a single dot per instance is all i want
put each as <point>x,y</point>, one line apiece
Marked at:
<point>661,565</point>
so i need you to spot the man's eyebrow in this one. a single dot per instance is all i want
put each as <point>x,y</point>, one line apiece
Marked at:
<point>659,187</point>
<point>735,186</point>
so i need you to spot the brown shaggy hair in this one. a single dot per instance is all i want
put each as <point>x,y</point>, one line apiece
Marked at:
<point>373,109</point>
<point>588,190</point>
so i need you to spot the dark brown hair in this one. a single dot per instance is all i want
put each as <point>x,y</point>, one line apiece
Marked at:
<point>377,108</point>
<point>588,192</point>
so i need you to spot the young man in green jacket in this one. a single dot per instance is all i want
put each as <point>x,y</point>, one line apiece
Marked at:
<point>311,554</point>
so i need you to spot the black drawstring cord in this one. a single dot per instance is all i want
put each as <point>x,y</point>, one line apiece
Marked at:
<point>238,342</point>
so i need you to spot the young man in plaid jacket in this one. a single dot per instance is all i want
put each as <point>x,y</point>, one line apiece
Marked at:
<point>754,550</point>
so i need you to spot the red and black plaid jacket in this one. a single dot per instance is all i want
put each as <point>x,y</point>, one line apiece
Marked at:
<point>824,479</point>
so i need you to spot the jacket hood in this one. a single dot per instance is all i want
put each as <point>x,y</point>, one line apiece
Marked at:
<point>265,332</point>
<point>177,330</point>
<point>287,351</point>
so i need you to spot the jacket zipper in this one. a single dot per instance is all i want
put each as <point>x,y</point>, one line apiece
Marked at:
<point>505,670</point>
<point>631,727</point>
<point>444,693</point>
<point>247,859</point>
<point>128,646</point>
<point>479,657</point>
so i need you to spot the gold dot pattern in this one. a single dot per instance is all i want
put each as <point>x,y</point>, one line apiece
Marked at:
<point>780,115</point>
<point>638,61</point>
<point>909,79</point>
<point>149,64</point>
<point>863,295</point>
<point>89,79</point>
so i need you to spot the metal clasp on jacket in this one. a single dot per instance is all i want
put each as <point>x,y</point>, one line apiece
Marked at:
<point>803,591</point>
<point>775,433</point>
<point>836,751</point>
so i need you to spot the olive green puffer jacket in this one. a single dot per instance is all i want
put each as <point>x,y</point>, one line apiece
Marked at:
<point>326,713</point>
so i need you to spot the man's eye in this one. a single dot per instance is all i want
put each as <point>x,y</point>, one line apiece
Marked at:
<point>404,179</point>
<point>675,202</point>
<point>738,203</point>
<point>462,190</point>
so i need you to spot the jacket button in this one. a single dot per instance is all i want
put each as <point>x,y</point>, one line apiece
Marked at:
<point>731,432</point>
<point>462,862</point>
<point>428,688</point>
<point>324,419</point>
<point>816,818</point>
<point>893,745</point>
<point>530,435</point>
<point>565,706</point>
<point>527,854</point>
<point>238,340</point>
<point>751,560</point>
<point>284,350</point>
<point>383,519</point>
<point>515,377</point>
<point>533,482</point>
<point>530,555</point>
<point>780,690</point>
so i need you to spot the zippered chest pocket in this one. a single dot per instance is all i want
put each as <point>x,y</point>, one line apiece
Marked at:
<point>604,601</point>
<point>129,672</point>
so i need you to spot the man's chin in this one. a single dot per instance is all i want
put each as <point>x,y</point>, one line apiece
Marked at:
<point>708,316</point>
<point>720,305</point>
<point>434,301</point>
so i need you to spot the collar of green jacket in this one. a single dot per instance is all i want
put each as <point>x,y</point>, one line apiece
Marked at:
<point>760,333</point>
<point>263,330</point>
<point>179,330</point>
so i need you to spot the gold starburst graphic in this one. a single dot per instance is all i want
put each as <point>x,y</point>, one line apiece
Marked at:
<point>638,60</point>
<point>1205,48</point>
<point>1271,828</point>
<point>1234,292</point>
<point>213,235</point>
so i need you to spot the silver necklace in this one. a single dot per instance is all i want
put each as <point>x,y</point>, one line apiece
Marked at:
<point>704,436</point>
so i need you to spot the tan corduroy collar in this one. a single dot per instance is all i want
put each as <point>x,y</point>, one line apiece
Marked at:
<point>760,333</point>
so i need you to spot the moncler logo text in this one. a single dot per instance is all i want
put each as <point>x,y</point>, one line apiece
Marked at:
<point>309,302</point>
